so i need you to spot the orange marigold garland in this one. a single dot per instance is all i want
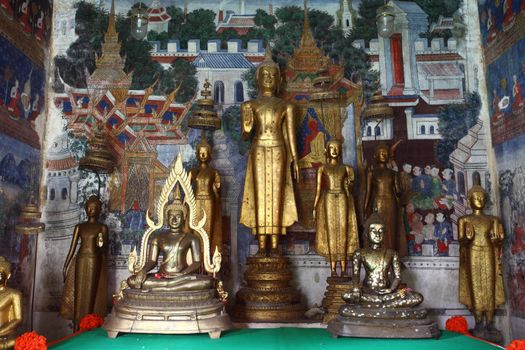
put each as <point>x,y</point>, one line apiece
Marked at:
<point>91,321</point>
<point>457,324</point>
<point>516,345</point>
<point>31,341</point>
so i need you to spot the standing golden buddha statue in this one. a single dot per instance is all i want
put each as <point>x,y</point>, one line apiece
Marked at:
<point>268,204</point>
<point>382,190</point>
<point>334,210</point>
<point>85,275</point>
<point>336,224</point>
<point>206,186</point>
<point>480,279</point>
<point>10,307</point>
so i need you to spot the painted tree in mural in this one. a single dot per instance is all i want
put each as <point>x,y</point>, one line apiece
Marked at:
<point>231,120</point>
<point>91,24</point>
<point>180,73</point>
<point>265,27</point>
<point>454,122</point>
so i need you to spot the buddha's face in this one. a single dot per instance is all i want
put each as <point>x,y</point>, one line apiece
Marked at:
<point>268,78</point>
<point>376,233</point>
<point>477,200</point>
<point>334,150</point>
<point>92,209</point>
<point>382,155</point>
<point>175,219</point>
<point>203,154</point>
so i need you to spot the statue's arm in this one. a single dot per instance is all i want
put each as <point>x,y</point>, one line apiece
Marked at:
<point>318,188</point>
<point>72,248</point>
<point>350,178</point>
<point>464,231</point>
<point>247,120</point>
<point>195,255</point>
<point>498,234</point>
<point>396,266</point>
<point>152,257</point>
<point>16,304</point>
<point>217,184</point>
<point>368,189</point>
<point>290,131</point>
<point>105,238</point>
<point>397,186</point>
<point>356,270</point>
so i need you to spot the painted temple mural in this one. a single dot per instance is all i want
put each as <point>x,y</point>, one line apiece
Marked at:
<point>23,38</point>
<point>502,26</point>
<point>141,96</point>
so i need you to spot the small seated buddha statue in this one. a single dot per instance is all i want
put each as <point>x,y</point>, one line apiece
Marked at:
<point>10,307</point>
<point>379,307</point>
<point>174,273</point>
<point>377,290</point>
<point>177,298</point>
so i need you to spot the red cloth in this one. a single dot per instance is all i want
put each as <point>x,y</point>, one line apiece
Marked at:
<point>91,321</point>
<point>457,324</point>
<point>30,341</point>
<point>516,345</point>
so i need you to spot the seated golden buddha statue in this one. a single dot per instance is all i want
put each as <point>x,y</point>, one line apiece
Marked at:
<point>379,307</point>
<point>176,299</point>
<point>174,273</point>
<point>10,307</point>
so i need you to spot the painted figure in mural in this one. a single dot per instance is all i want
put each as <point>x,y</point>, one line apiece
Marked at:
<point>422,187</point>
<point>10,307</point>
<point>13,105</point>
<point>314,146</point>
<point>174,273</point>
<point>443,234</point>
<point>115,191</point>
<point>508,14</point>
<point>382,190</point>
<point>496,112</point>
<point>334,211</point>
<point>379,262</point>
<point>7,7</point>
<point>429,228</point>
<point>517,91</point>
<point>206,186</point>
<point>405,179</point>
<point>85,275</point>
<point>480,279</point>
<point>24,17</point>
<point>268,204</point>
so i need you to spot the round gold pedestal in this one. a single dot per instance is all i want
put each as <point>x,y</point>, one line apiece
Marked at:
<point>182,312</point>
<point>268,296</point>
<point>333,296</point>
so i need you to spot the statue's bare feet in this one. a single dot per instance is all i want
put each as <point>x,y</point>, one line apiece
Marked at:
<point>274,252</point>
<point>334,273</point>
<point>490,326</point>
<point>478,327</point>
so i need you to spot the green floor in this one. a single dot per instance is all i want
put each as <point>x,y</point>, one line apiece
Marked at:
<point>267,339</point>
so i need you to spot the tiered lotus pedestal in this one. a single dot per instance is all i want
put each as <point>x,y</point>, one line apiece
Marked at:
<point>182,312</point>
<point>333,299</point>
<point>268,295</point>
<point>372,322</point>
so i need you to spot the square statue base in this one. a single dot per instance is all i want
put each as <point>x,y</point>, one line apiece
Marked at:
<point>384,326</point>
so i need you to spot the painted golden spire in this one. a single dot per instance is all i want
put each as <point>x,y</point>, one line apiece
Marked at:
<point>109,73</point>
<point>111,25</point>
<point>308,57</point>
